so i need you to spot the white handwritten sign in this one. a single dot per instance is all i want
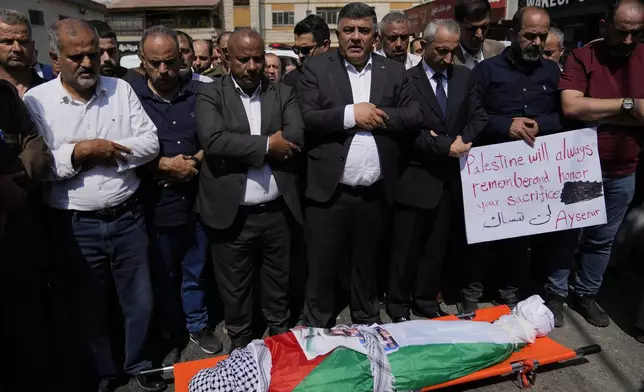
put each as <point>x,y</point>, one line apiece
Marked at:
<point>513,190</point>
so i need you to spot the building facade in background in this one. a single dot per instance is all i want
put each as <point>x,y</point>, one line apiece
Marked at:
<point>43,13</point>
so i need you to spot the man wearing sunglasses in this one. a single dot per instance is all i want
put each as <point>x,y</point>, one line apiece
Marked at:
<point>518,90</point>
<point>312,38</point>
<point>394,34</point>
<point>602,83</point>
<point>473,17</point>
<point>554,46</point>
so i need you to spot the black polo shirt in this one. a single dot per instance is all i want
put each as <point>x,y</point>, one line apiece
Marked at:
<point>509,89</point>
<point>177,131</point>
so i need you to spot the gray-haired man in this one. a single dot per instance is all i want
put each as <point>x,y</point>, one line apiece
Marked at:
<point>554,48</point>
<point>394,35</point>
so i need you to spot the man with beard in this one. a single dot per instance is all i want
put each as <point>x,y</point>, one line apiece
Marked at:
<point>355,106</point>
<point>250,129</point>
<point>518,90</point>
<point>177,240</point>
<point>99,134</point>
<point>603,84</point>
<point>394,34</point>
<point>110,55</point>
<point>473,17</point>
<point>16,51</point>
<point>312,38</point>
<point>188,58</point>
<point>273,67</point>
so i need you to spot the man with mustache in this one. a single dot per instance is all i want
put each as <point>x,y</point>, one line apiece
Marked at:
<point>110,55</point>
<point>394,34</point>
<point>603,84</point>
<point>177,241</point>
<point>16,51</point>
<point>273,68</point>
<point>473,17</point>
<point>248,200</point>
<point>518,90</point>
<point>355,106</point>
<point>99,134</point>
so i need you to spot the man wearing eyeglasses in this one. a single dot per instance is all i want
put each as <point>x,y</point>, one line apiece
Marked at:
<point>394,34</point>
<point>554,46</point>
<point>312,38</point>
<point>518,90</point>
<point>474,19</point>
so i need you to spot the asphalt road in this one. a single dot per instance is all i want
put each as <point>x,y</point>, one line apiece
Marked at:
<point>619,367</point>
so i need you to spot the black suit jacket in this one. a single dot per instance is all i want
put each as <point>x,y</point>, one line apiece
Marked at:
<point>323,91</point>
<point>230,149</point>
<point>426,164</point>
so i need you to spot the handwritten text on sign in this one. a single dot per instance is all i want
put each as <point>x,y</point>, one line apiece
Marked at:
<point>513,190</point>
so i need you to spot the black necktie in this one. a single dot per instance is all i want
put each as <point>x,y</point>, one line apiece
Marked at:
<point>441,97</point>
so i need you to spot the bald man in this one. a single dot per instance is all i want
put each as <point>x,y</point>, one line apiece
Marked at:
<point>251,129</point>
<point>518,90</point>
<point>203,55</point>
<point>273,67</point>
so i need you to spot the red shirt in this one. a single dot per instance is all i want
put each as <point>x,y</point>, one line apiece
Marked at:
<point>594,72</point>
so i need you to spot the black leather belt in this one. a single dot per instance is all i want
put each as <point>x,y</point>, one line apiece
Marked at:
<point>114,212</point>
<point>269,206</point>
<point>360,189</point>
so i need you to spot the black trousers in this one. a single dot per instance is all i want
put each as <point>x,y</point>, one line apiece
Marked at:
<point>251,265</point>
<point>343,238</point>
<point>419,244</point>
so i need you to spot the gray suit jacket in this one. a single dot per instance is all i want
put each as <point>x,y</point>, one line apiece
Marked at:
<point>230,149</point>
<point>491,48</point>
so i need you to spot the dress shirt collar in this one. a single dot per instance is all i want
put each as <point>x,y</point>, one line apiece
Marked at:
<point>66,97</point>
<point>367,67</point>
<point>241,91</point>
<point>478,56</point>
<point>142,89</point>
<point>430,72</point>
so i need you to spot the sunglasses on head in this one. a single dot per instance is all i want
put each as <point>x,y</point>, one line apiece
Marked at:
<point>304,50</point>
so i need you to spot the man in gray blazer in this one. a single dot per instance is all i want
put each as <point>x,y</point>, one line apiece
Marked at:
<point>473,16</point>
<point>250,128</point>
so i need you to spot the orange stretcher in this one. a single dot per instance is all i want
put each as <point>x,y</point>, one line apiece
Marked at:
<point>523,363</point>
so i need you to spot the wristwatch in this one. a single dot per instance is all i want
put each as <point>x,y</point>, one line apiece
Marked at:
<point>628,104</point>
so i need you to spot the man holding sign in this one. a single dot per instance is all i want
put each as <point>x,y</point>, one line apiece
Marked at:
<point>518,89</point>
<point>429,185</point>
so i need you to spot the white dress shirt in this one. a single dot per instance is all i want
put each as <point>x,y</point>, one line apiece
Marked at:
<point>114,113</point>
<point>412,60</point>
<point>260,181</point>
<point>472,60</point>
<point>362,165</point>
<point>430,75</point>
<point>201,78</point>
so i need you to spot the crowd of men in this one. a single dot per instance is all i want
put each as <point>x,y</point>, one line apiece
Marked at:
<point>128,197</point>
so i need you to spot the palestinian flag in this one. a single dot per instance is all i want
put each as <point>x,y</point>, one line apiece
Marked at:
<point>420,353</point>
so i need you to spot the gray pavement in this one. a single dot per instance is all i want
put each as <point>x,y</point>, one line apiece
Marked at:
<point>620,366</point>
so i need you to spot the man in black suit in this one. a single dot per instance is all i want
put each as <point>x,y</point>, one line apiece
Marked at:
<point>249,128</point>
<point>312,38</point>
<point>429,187</point>
<point>354,105</point>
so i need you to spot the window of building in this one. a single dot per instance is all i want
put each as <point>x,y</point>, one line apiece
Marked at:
<point>330,15</point>
<point>36,18</point>
<point>126,24</point>
<point>283,18</point>
<point>189,19</point>
<point>241,3</point>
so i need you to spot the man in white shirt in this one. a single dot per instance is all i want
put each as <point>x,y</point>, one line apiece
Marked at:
<point>98,134</point>
<point>474,16</point>
<point>250,128</point>
<point>355,106</point>
<point>394,34</point>
<point>188,58</point>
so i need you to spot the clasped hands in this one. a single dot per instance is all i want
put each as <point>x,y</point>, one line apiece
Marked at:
<point>280,148</point>
<point>369,117</point>
<point>458,148</point>
<point>178,169</point>
<point>525,129</point>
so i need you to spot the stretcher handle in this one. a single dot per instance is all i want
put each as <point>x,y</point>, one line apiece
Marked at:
<point>588,350</point>
<point>157,371</point>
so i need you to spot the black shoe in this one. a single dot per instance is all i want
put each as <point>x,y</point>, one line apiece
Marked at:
<point>173,356</point>
<point>106,386</point>
<point>510,302</point>
<point>207,341</point>
<point>399,319</point>
<point>467,306</point>
<point>151,383</point>
<point>586,306</point>
<point>639,335</point>
<point>556,305</point>
<point>382,301</point>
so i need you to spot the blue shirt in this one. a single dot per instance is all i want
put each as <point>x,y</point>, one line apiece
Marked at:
<point>508,89</point>
<point>177,130</point>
